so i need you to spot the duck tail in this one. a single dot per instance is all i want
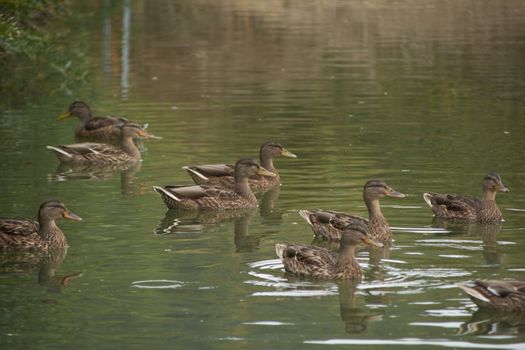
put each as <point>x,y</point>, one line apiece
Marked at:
<point>195,172</point>
<point>473,292</point>
<point>279,249</point>
<point>305,214</point>
<point>428,198</point>
<point>163,191</point>
<point>59,150</point>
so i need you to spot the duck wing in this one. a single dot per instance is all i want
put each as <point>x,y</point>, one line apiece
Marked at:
<point>188,192</point>
<point>88,148</point>
<point>18,227</point>
<point>452,206</point>
<point>499,294</point>
<point>306,260</point>
<point>212,170</point>
<point>328,224</point>
<point>103,122</point>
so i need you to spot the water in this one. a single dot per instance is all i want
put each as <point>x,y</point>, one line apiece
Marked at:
<point>425,95</point>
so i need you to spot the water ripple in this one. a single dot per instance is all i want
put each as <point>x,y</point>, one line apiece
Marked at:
<point>417,342</point>
<point>158,284</point>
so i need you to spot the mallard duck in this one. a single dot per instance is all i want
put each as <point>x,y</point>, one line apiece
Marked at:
<point>505,294</point>
<point>328,224</point>
<point>44,234</point>
<point>93,127</point>
<point>449,206</point>
<point>222,174</point>
<point>215,197</point>
<point>312,261</point>
<point>101,153</point>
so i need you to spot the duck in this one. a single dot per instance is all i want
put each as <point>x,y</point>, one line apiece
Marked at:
<point>216,197</point>
<point>106,127</point>
<point>41,235</point>
<point>222,174</point>
<point>102,153</point>
<point>328,224</point>
<point>507,295</point>
<point>454,207</point>
<point>320,263</point>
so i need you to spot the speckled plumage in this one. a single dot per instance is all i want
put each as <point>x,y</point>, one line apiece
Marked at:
<point>222,174</point>
<point>214,197</point>
<point>328,224</point>
<point>103,128</point>
<point>41,235</point>
<point>316,262</point>
<point>506,295</point>
<point>101,153</point>
<point>453,207</point>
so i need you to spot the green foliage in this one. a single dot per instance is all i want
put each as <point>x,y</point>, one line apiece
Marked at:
<point>31,49</point>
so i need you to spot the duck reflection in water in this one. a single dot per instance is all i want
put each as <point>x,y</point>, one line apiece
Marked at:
<point>270,215</point>
<point>46,263</point>
<point>128,186</point>
<point>356,319</point>
<point>181,220</point>
<point>488,232</point>
<point>494,322</point>
<point>177,221</point>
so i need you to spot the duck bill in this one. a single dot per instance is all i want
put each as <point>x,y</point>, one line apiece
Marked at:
<point>264,172</point>
<point>154,137</point>
<point>396,194</point>
<point>64,115</point>
<point>147,135</point>
<point>286,153</point>
<point>503,189</point>
<point>70,216</point>
<point>368,241</point>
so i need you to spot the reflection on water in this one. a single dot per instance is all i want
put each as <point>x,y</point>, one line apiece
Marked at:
<point>71,171</point>
<point>487,231</point>
<point>494,322</point>
<point>424,94</point>
<point>355,318</point>
<point>46,264</point>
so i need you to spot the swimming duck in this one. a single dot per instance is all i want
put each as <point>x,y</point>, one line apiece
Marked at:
<point>312,261</point>
<point>328,224</point>
<point>506,295</point>
<point>42,235</point>
<point>106,127</point>
<point>222,174</point>
<point>215,197</point>
<point>101,153</point>
<point>449,206</point>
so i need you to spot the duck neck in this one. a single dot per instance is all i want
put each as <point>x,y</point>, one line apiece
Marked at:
<point>346,261</point>
<point>346,254</point>
<point>128,146</point>
<point>374,211</point>
<point>85,117</point>
<point>489,196</point>
<point>488,210</point>
<point>267,162</point>
<point>49,231</point>
<point>243,188</point>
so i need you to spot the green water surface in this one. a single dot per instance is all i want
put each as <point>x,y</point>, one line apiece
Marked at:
<point>426,95</point>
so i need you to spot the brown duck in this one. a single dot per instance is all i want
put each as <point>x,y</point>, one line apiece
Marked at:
<point>42,235</point>
<point>506,295</point>
<point>106,127</point>
<point>328,224</point>
<point>316,262</point>
<point>102,153</point>
<point>449,206</point>
<point>216,197</point>
<point>222,174</point>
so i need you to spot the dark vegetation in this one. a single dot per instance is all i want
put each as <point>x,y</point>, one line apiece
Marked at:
<point>32,50</point>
